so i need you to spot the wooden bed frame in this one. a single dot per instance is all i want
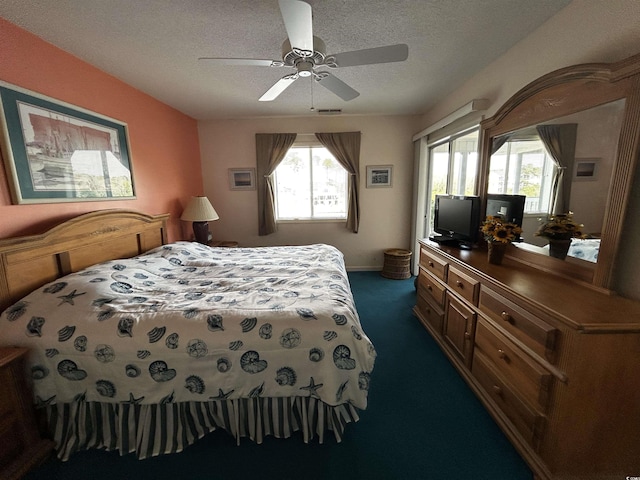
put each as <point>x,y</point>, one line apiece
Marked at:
<point>29,262</point>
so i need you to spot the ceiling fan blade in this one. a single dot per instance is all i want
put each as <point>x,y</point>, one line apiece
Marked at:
<point>255,62</point>
<point>279,87</point>
<point>368,56</point>
<point>297,18</point>
<point>337,86</point>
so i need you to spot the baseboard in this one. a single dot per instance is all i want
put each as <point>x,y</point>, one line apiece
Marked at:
<point>364,269</point>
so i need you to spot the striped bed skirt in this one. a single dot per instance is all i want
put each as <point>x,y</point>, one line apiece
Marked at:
<point>151,430</point>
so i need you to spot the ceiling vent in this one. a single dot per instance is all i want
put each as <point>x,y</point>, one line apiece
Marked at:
<point>329,111</point>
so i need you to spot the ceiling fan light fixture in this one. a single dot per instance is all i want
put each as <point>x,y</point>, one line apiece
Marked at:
<point>305,69</point>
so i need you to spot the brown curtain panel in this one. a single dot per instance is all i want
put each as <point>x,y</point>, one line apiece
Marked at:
<point>271,148</point>
<point>560,142</point>
<point>345,147</point>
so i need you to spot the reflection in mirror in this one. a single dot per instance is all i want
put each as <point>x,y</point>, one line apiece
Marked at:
<point>523,163</point>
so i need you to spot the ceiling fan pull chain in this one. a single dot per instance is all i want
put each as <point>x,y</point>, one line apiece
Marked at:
<point>311,82</point>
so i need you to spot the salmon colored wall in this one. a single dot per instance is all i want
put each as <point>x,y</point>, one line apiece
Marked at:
<point>164,145</point>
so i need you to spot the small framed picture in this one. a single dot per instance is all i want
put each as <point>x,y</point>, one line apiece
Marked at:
<point>586,169</point>
<point>242,178</point>
<point>379,176</point>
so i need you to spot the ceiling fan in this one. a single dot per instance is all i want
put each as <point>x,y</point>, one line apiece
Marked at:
<point>306,52</point>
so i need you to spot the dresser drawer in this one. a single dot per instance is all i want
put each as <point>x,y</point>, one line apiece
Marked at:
<point>463,285</point>
<point>433,314</point>
<point>434,265</point>
<point>534,332</point>
<point>529,378</point>
<point>529,422</point>
<point>432,286</point>
<point>459,328</point>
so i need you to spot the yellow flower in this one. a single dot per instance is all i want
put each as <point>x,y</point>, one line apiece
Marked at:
<point>560,227</point>
<point>495,229</point>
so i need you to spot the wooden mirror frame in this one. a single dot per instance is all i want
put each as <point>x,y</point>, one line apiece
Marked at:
<point>563,92</point>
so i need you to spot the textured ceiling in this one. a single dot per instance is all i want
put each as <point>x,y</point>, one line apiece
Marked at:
<point>154,45</point>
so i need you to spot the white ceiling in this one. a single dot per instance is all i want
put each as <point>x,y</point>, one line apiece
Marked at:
<point>154,45</point>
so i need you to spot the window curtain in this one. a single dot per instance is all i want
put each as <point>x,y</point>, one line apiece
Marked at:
<point>345,147</point>
<point>560,142</point>
<point>271,148</point>
<point>498,142</point>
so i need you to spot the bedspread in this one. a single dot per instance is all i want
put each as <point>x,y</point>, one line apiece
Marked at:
<point>186,322</point>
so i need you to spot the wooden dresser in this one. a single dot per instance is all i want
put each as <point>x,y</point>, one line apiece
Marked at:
<point>555,362</point>
<point>20,444</point>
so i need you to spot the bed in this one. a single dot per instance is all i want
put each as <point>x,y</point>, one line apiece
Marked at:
<point>144,347</point>
<point>585,249</point>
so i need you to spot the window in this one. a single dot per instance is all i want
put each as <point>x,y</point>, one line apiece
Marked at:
<point>453,168</point>
<point>310,185</point>
<point>523,167</point>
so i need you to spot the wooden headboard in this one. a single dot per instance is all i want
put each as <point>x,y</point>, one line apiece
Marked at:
<point>27,263</point>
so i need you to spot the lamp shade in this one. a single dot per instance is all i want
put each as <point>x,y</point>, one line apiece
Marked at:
<point>199,209</point>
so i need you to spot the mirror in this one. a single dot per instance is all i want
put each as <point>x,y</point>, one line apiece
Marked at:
<point>601,102</point>
<point>522,166</point>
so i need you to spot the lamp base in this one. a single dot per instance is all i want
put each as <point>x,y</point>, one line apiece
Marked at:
<point>201,232</point>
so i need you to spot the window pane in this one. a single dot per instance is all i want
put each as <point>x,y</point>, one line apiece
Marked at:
<point>293,185</point>
<point>329,186</point>
<point>523,167</point>
<point>465,164</point>
<point>453,168</point>
<point>310,184</point>
<point>439,171</point>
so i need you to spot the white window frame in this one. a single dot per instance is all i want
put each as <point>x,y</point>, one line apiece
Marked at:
<point>309,144</point>
<point>548,168</point>
<point>428,223</point>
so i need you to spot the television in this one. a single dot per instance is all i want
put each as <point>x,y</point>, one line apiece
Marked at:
<point>509,207</point>
<point>456,219</point>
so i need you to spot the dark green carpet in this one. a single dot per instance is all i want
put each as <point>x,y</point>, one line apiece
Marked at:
<point>423,422</point>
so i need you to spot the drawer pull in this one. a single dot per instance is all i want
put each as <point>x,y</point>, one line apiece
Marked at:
<point>430,263</point>
<point>502,355</point>
<point>497,390</point>
<point>467,335</point>
<point>429,287</point>
<point>506,316</point>
<point>460,284</point>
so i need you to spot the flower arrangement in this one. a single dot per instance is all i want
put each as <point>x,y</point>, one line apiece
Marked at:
<point>496,229</point>
<point>560,227</point>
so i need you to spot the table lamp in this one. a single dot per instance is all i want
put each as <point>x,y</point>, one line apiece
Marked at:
<point>200,212</point>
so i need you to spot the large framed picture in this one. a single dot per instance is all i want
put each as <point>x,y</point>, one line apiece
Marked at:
<point>379,176</point>
<point>56,152</point>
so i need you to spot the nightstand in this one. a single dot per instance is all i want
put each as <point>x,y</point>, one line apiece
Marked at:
<point>22,446</point>
<point>226,244</point>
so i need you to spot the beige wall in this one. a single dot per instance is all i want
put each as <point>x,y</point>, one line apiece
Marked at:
<point>385,220</point>
<point>585,31</point>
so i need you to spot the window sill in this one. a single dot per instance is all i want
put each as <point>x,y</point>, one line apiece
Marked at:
<point>312,220</point>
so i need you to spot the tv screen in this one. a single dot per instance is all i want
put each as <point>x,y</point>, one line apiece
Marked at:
<point>509,207</point>
<point>457,219</point>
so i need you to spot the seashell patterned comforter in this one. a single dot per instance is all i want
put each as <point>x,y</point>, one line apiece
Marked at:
<point>190,323</point>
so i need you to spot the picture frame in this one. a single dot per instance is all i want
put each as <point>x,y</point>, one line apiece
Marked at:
<point>56,152</point>
<point>586,169</point>
<point>379,176</point>
<point>242,178</point>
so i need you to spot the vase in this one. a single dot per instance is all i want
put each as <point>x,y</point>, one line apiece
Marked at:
<point>559,248</point>
<point>496,251</point>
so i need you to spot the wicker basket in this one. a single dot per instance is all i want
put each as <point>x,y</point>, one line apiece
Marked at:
<point>397,263</point>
